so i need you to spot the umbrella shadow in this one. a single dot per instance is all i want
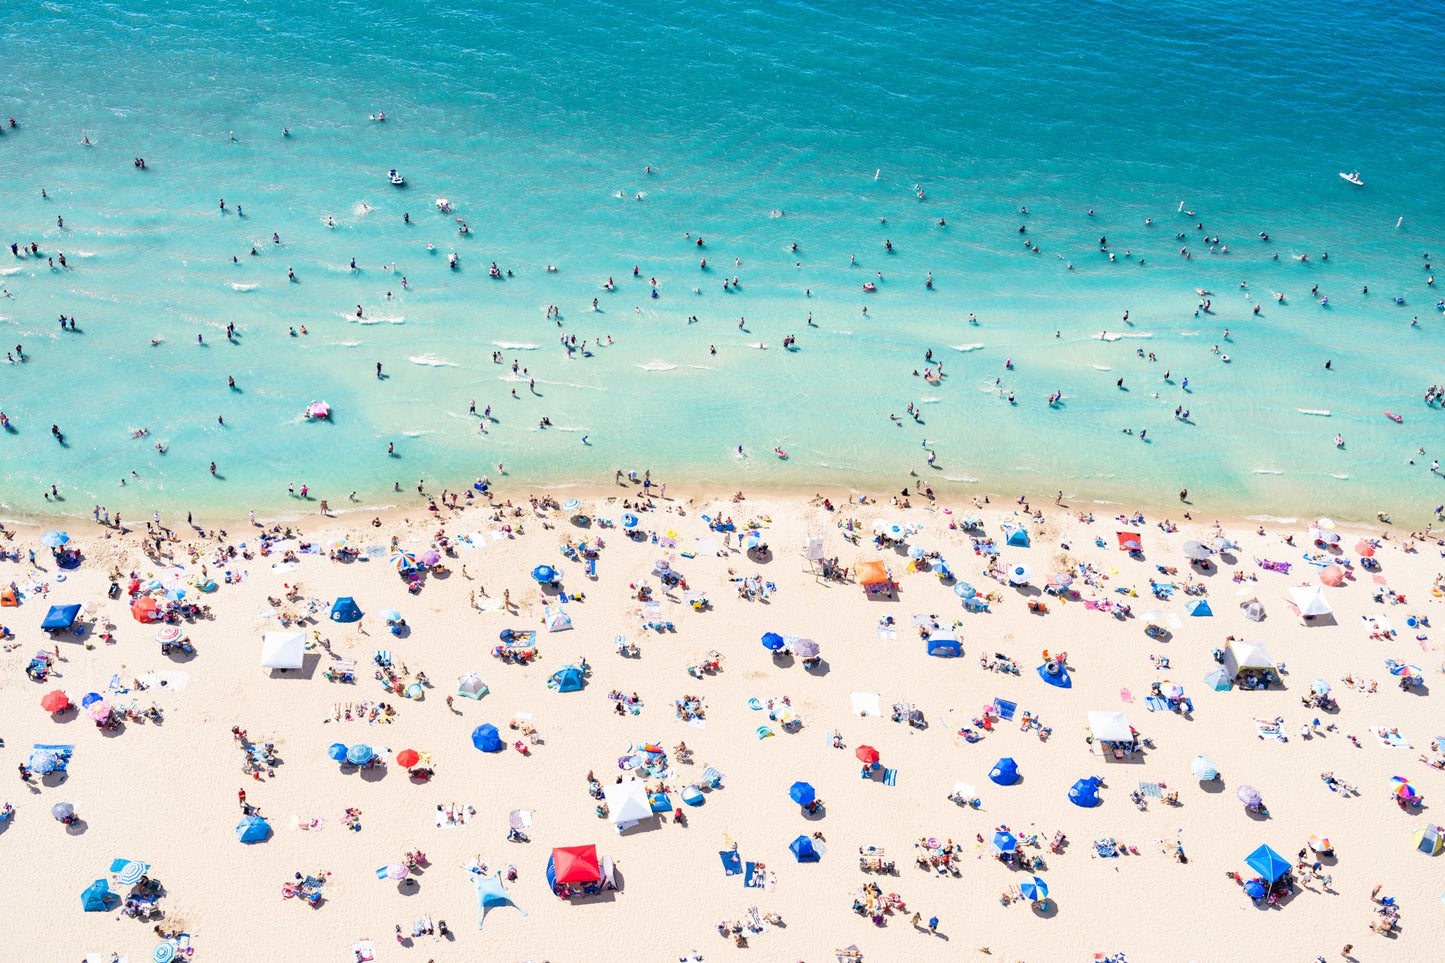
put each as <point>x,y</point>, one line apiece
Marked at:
<point>373,774</point>
<point>1049,910</point>
<point>1212,786</point>
<point>77,827</point>
<point>408,887</point>
<point>820,670</point>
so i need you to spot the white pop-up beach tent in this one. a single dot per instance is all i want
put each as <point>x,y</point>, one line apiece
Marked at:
<point>282,650</point>
<point>1110,727</point>
<point>1310,601</point>
<point>627,803</point>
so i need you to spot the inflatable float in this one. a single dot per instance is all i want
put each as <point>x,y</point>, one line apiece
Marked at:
<point>1394,417</point>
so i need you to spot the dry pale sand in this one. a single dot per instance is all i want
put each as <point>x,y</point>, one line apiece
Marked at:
<point>167,793</point>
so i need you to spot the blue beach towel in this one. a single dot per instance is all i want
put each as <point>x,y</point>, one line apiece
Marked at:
<point>890,777</point>
<point>732,862</point>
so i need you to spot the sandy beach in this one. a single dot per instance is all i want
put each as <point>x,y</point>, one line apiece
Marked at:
<point>165,792</point>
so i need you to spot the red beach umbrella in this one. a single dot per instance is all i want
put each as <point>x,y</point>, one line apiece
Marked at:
<point>56,701</point>
<point>1333,576</point>
<point>408,758</point>
<point>866,755</point>
<point>1365,549</point>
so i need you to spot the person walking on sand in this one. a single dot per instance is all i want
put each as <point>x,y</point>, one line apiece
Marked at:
<point>916,918</point>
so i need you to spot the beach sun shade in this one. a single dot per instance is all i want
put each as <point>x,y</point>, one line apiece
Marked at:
<point>1017,536</point>
<point>252,829</point>
<point>1267,863</point>
<point>773,641</point>
<point>99,712</point>
<point>801,793</point>
<point>430,557</point>
<point>629,520</point>
<point>62,810</point>
<point>403,561</point>
<point>1196,551</point>
<point>964,591</point>
<point>54,539</point>
<point>1365,549</point>
<point>627,801</point>
<point>97,897</point>
<point>408,758</point>
<point>916,552</point>
<point>1019,574</point>
<point>1129,542</point>
<point>944,645</point>
<point>1005,772</point>
<point>1218,679</point>
<point>805,649</point>
<point>1320,687</point>
<point>485,738</point>
<point>556,618</point>
<point>871,574</point>
<point>1253,610</point>
<point>1255,889</point>
<point>867,755</point>
<point>60,616</point>
<point>544,574</point>
<point>491,894</point>
<point>1198,607</point>
<point>359,754</point>
<point>55,701</point>
<point>569,678</point>
<point>1203,769</point>
<point>1004,842</point>
<point>345,609</point>
<point>390,615</point>
<point>168,633</point>
<point>397,871</point>
<point>336,752</point>
<point>1248,795</point>
<point>1333,576</point>
<point>164,952</point>
<point>470,685</point>
<point>576,864</point>
<point>42,761</point>
<point>90,699</point>
<point>1035,889</point>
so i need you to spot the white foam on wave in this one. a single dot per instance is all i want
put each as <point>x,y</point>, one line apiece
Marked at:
<point>1268,471</point>
<point>929,401</point>
<point>516,345</point>
<point>761,346</point>
<point>344,344</point>
<point>7,272</point>
<point>1102,367</point>
<point>355,320</point>
<point>240,286</point>
<point>967,347</point>
<point>1117,335</point>
<point>1290,520</point>
<point>1322,412</point>
<point>361,209</point>
<point>701,367</point>
<point>961,478</point>
<point>658,366</point>
<point>1342,476</point>
<point>418,433</point>
<point>431,361</point>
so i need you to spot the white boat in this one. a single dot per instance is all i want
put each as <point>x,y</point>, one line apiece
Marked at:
<point>1353,177</point>
<point>396,178</point>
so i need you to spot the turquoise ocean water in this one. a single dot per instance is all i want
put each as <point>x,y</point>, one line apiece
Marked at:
<point>765,125</point>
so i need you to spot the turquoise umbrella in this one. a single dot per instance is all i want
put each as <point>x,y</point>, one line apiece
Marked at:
<point>359,754</point>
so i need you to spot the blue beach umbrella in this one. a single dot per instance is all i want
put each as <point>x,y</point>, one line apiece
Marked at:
<point>801,793</point>
<point>1255,889</point>
<point>359,754</point>
<point>916,551</point>
<point>90,699</point>
<point>544,574</point>
<point>390,615</point>
<point>629,520</point>
<point>963,590</point>
<point>54,539</point>
<point>1035,889</point>
<point>337,752</point>
<point>773,640</point>
<point>571,504</point>
<point>1004,842</point>
<point>164,952</point>
<point>43,762</point>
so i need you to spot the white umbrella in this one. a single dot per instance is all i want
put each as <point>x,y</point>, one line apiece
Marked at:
<point>1018,574</point>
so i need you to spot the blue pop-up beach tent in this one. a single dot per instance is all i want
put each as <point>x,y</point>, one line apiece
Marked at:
<point>1198,607</point>
<point>1017,535</point>
<point>1005,772</point>
<point>1085,792</point>
<point>1055,674</point>
<point>253,829</point>
<point>485,738</point>
<point>1267,863</point>
<point>568,678</point>
<point>944,645</point>
<point>60,616</point>
<point>345,610</point>
<point>97,897</point>
<point>803,850</point>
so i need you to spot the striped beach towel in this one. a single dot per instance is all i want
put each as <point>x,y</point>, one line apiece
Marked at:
<point>890,777</point>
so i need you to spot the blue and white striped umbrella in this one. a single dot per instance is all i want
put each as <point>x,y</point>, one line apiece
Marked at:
<point>359,754</point>
<point>131,873</point>
<point>165,952</point>
<point>54,539</point>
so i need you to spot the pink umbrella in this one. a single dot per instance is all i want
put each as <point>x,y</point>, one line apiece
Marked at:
<point>99,711</point>
<point>397,871</point>
<point>1333,576</point>
<point>1366,549</point>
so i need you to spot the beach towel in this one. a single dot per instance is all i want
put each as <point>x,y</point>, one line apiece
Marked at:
<point>752,877</point>
<point>1388,739</point>
<point>890,777</point>
<point>1268,729</point>
<point>732,862</point>
<point>519,819</point>
<point>1151,789</point>
<point>866,704</point>
<point>1155,704</point>
<point>1106,848</point>
<point>1378,623</point>
<point>450,817</point>
<point>1005,708</point>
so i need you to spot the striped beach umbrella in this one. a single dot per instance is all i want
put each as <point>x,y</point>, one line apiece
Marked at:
<point>164,952</point>
<point>401,561</point>
<point>397,871</point>
<point>359,754</point>
<point>131,873</point>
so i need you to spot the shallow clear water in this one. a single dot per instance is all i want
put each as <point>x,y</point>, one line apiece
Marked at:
<point>537,122</point>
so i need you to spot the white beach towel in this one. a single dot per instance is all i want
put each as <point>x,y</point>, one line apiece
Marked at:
<point>866,704</point>
<point>1388,739</point>
<point>452,817</point>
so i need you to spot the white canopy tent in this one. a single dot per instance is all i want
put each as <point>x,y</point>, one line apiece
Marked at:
<point>627,803</point>
<point>1310,601</point>
<point>1110,727</point>
<point>283,650</point>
